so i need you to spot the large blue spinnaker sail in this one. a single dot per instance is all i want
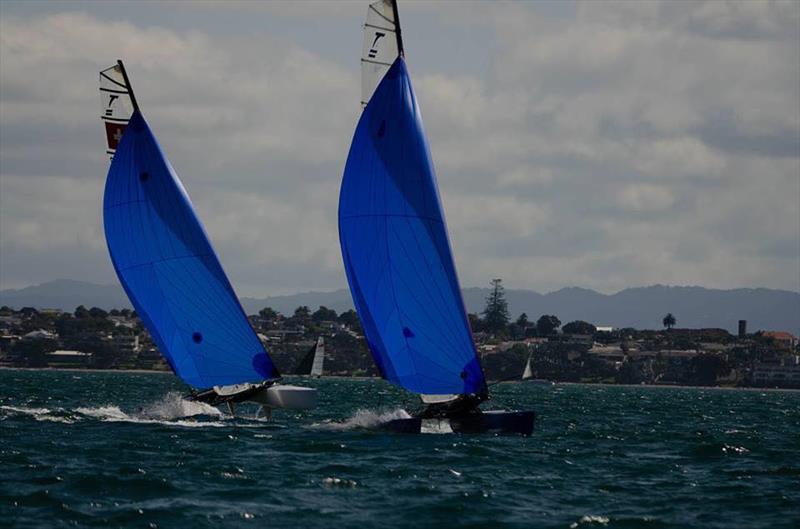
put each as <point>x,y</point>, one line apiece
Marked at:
<point>170,272</point>
<point>396,251</point>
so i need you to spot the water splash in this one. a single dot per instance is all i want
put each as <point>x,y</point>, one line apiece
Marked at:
<point>174,406</point>
<point>364,419</point>
<point>115,414</point>
<point>171,410</point>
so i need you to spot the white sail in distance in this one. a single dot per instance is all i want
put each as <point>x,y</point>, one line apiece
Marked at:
<point>319,358</point>
<point>381,46</point>
<point>118,104</point>
<point>528,373</point>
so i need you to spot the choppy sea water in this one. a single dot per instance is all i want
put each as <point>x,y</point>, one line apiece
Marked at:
<point>83,449</point>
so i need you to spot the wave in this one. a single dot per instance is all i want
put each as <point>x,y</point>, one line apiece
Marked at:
<point>170,410</point>
<point>363,419</point>
<point>40,414</point>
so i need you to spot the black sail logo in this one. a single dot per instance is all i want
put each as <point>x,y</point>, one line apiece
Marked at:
<point>111,99</point>
<point>374,48</point>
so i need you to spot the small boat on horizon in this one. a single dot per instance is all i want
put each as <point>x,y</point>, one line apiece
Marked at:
<point>312,363</point>
<point>528,375</point>
<point>171,273</point>
<point>397,254</point>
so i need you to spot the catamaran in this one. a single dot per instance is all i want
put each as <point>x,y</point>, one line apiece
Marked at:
<point>170,272</point>
<point>397,254</point>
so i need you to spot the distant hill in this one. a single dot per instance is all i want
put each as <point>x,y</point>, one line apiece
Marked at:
<point>66,294</point>
<point>641,307</point>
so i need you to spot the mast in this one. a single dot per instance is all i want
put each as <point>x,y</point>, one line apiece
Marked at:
<point>397,30</point>
<point>128,83</point>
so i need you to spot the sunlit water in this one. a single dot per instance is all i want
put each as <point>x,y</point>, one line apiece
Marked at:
<point>124,450</point>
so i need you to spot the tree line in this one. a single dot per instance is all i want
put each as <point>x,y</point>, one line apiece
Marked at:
<point>496,320</point>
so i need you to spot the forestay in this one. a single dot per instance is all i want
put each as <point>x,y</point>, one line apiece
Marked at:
<point>117,103</point>
<point>396,251</point>
<point>170,272</point>
<point>380,47</point>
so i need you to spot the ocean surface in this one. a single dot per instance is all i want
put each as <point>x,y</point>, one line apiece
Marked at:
<point>113,449</point>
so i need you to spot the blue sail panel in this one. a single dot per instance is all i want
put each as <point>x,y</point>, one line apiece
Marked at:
<point>396,252</point>
<point>171,273</point>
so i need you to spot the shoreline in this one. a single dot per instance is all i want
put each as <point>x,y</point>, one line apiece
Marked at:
<point>342,377</point>
<point>85,370</point>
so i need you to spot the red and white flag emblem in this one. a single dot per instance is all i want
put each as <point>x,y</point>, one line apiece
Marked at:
<point>114,132</point>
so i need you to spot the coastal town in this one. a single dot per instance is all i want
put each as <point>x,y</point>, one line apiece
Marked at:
<point>576,351</point>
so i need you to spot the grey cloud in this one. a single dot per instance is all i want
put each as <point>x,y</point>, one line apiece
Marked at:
<point>597,144</point>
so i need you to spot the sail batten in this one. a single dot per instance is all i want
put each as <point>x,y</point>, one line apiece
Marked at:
<point>381,46</point>
<point>118,104</point>
<point>169,270</point>
<point>396,251</point>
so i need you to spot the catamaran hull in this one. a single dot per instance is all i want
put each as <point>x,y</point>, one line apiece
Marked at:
<point>290,397</point>
<point>281,396</point>
<point>505,422</point>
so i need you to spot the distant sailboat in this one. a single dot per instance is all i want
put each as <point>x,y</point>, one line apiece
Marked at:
<point>312,363</point>
<point>169,270</point>
<point>396,250</point>
<point>527,374</point>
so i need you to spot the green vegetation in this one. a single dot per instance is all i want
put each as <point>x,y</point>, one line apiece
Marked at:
<point>576,352</point>
<point>496,312</point>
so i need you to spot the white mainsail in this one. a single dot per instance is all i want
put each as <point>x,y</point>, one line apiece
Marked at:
<point>381,46</point>
<point>118,103</point>
<point>528,373</point>
<point>319,358</point>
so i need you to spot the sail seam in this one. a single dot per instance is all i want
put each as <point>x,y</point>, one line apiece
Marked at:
<point>376,62</point>
<point>456,344</point>
<point>382,15</point>
<point>392,215</point>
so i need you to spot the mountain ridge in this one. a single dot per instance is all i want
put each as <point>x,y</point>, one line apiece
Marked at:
<point>640,307</point>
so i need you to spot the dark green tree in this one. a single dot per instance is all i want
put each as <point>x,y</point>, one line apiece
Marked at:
<point>579,327</point>
<point>28,312</point>
<point>98,313</point>
<point>705,369</point>
<point>34,352</point>
<point>495,315</point>
<point>350,319</point>
<point>518,329</point>
<point>475,322</point>
<point>302,314</point>
<point>547,324</point>
<point>324,314</point>
<point>669,321</point>
<point>81,312</point>
<point>268,313</point>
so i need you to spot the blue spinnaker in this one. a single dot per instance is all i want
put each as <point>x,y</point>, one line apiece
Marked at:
<point>170,272</point>
<point>396,252</point>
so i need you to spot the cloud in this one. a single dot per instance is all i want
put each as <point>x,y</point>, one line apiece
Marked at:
<point>601,144</point>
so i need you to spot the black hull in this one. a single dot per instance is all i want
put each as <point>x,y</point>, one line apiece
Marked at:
<point>505,422</point>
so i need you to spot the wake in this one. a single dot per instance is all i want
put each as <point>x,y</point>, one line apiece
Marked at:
<point>170,410</point>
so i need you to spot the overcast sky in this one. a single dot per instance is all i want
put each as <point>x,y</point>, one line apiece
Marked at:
<point>597,144</point>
